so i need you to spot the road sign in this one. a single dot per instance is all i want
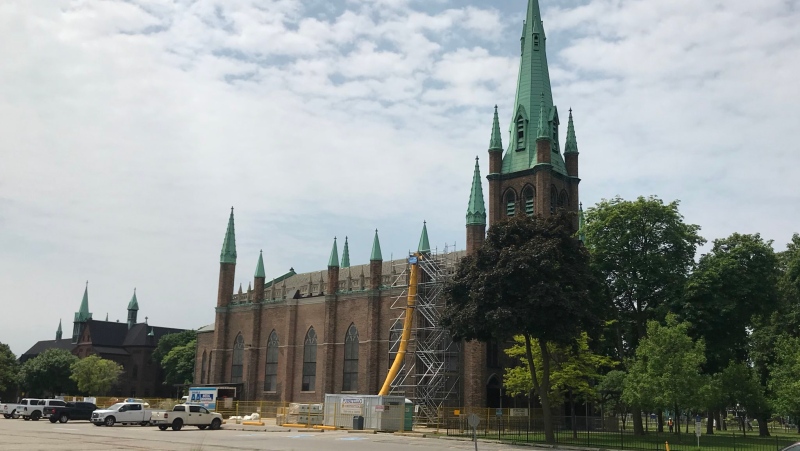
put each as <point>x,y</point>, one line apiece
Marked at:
<point>473,420</point>
<point>698,426</point>
<point>498,412</point>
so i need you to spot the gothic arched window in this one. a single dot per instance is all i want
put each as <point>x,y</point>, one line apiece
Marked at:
<point>309,361</point>
<point>529,196</point>
<point>237,365</point>
<point>271,367</point>
<point>511,203</point>
<point>350,380</point>
<point>563,199</point>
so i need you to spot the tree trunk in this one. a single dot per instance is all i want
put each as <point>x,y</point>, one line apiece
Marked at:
<point>573,420</point>
<point>544,395</point>
<point>638,426</point>
<point>677,420</point>
<point>687,422</point>
<point>710,423</point>
<point>763,427</point>
<point>660,419</point>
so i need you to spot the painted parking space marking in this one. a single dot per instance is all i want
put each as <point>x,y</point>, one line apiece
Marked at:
<point>300,436</point>
<point>351,438</point>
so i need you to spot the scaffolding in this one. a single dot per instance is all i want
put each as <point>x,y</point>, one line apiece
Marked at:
<point>431,372</point>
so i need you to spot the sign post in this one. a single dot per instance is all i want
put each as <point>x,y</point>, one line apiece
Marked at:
<point>473,421</point>
<point>698,427</point>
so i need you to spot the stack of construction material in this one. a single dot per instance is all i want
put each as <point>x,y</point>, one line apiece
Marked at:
<point>308,414</point>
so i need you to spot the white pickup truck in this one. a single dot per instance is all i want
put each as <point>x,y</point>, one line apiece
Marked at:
<point>31,409</point>
<point>122,413</point>
<point>9,410</point>
<point>186,415</point>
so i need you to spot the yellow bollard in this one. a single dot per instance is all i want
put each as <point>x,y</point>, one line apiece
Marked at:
<point>667,443</point>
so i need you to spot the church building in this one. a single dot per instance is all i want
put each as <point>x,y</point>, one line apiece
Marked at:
<point>296,337</point>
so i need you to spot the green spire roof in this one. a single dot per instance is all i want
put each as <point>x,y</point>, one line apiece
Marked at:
<point>543,131</point>
<point>260,266</point>
<point>476,210</point>
<point>533,81</point>
<point>424,245</point>
<point>59,333</point>
<point>496,143</point>
<point>582,226</point>
<point>228,254</point>
<point>346,254</point>
<point>334,260</point>
<point>134,304</point>
<point>376,249</point>
<point>83,313</point>
<point>571,146</point>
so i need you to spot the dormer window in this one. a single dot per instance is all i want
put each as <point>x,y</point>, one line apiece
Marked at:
<point>520,133</point>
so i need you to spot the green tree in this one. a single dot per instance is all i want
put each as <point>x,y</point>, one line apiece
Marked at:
<point>170,341</point>
<point>95,375</point>
<point>179,363</point>
<point>644,252</point>
<point>784,383</point>
<point>610,388</point>
<point>9,369</point>
<point>48,374</point>
<point>531,278</point>
<point>665,373</point>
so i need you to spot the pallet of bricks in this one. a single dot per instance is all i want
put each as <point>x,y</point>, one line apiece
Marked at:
<point>296,413</point>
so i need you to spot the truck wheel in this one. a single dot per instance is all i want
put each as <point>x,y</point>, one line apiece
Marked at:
<point>215,424</point>
<point>53,419</point>
<point>14,414</point>
<point>36,415</point>
<point>110,421</point>
<point>63,418</point>
<point>177,424</point>
<point>162,427</point>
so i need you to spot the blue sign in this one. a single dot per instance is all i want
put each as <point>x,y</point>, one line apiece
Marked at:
<point>412,260</point>
<point>205,396</point>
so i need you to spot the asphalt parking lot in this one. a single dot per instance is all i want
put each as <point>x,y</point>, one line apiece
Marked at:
<point>81,435</point>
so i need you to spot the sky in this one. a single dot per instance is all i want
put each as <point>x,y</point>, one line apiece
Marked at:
<point>128,129</point>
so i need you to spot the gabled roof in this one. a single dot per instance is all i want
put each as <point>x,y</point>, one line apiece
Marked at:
<point>44,345</point>
<point>138,334</point>
<point>106,333</point>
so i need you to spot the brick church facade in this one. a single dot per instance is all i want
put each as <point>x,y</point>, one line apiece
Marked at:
<point>299,336</point>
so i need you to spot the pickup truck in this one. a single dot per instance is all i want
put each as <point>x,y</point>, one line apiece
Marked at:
<point>31,409</point>
<point>186,415</point>
<point>72,411</point>
<point>9,410</point>
<point>122,413</point>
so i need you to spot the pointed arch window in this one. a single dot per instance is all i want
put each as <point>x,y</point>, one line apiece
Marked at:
<point>203,369</point>
<point>529,196</point>
<point>553,199</point>
<point>563,199</point>
<point>520,132</point>
<point>237,366</point>
<point>309,361</point>
<point>350,380</point>
<point>271,367</point>
<point>511,203</point>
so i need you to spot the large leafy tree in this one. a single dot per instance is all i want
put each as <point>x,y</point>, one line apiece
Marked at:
<point>95,375</point>
<point>665,374</point>
<point>9,368</point>
<point>48,374</point>
<point>644,251</point>
<point>784,383</point>
<point>170,341</point>
<point>179,364</point>
<point>530,278</point>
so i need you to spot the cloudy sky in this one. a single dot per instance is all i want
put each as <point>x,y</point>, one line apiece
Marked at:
<point>128,128</point>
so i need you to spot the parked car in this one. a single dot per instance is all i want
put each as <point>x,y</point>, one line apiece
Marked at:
<point>71,411</point>
<point>122,413</point>
<point>31,409</point>
<point>9,410</point>
<point>186,415</point>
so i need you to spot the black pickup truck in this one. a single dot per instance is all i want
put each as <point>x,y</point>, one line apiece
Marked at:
<point>72,411</point>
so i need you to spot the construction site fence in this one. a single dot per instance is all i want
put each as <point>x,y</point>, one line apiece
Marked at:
<point>526,426</point>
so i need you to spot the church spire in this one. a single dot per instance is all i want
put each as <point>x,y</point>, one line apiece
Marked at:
<point>228,254</point>
<point>58,331</point>
<point>260,266</point>
<point>543,131</point>
<point>346,254</point>
<point>133,310</point>
<point>333,262</point>
<point>83,313</point>
<point>496,143</point>
<point>424,244</point>
<point>476,210</point>
<point>571,145</point>
<point>376,249</point>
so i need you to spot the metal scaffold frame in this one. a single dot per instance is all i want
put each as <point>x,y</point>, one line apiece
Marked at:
<point>431,372</point>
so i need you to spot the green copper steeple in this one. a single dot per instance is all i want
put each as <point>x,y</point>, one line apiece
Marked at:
<point>260,266</point>
<point>134,304</point>
<point>571,145</point>
<point>424,245</point>
<point>228,254</point>
<point>334,260</point>
<point>476,210</point>
<point>346,254</point>
<point>83,314</point>
<point>543,131</point>
<point>58,331</point>
<point>533,81</point>
<point>496,143</point>
<point>376,249</point>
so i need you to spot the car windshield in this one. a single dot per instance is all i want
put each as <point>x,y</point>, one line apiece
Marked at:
<point>116,406</point>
